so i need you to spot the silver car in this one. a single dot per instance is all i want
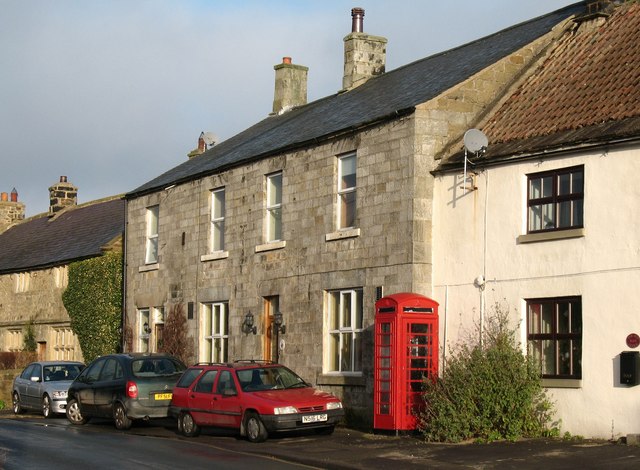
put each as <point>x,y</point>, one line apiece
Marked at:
<point>43,386</point>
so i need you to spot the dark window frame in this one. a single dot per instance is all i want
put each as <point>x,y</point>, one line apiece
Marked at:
<point>558,334</point>
<point>556,200</point>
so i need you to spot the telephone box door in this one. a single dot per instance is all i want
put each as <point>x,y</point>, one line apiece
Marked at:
<point>406,353</point>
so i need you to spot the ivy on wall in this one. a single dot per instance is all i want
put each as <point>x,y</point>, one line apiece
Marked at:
<point>93,299</point>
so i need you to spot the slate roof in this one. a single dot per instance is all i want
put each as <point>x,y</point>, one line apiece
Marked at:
<point>381,98</point>
<point>586,92</point>
<point>75,234</point>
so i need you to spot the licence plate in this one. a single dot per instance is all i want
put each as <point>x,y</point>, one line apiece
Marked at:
<point>314,418</point>
<point>162,396</point>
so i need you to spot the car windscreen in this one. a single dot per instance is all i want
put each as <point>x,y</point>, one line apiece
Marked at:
<point>268,378</point>
<point>156,367</point>
<point>58,372</point>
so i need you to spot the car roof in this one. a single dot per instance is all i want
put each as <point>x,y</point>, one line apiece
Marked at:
<point>239,364</point>
<point>55,363</point>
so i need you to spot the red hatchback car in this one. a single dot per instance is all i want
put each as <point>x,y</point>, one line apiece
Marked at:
<point>256,398</point>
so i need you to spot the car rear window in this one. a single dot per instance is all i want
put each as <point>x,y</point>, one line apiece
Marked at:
<point>156,367</point>
<point>188,377</point>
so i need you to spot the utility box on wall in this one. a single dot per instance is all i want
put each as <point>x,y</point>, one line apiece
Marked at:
<point>629,367</point>
<point>406,353</point>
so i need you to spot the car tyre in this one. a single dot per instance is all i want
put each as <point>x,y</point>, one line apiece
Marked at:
<point>74,415</point>
<point>120,417</point>
<point>188,425</point>
<point>17,408</point>
<point>254,428</point>
<point>46,406</point>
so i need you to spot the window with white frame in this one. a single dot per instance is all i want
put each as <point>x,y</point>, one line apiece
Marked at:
<point>344,321</point>
<point>217,219</point>
<point>64,344</point>
<point>347,191</point>
<point>144,330</point>
<point>22,281</point>
<point>14,340</point>
<point>60,276</point>
<point>151,255</point>
<point>274,207</point>
<point>215,330</point>
<point>555,200</point>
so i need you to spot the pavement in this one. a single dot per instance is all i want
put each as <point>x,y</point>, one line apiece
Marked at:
<point>352,449</point>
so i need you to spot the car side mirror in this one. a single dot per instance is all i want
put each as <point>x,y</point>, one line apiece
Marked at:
<point>35,378</point>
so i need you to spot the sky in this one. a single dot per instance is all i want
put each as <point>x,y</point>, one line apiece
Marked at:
<point>112,93</point>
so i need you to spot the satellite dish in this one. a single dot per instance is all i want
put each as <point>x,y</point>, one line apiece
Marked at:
<point>209,138</point>
<point>475,141</point>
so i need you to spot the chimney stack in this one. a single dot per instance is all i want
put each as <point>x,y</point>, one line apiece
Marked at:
<point>291,86</point>
<point>11,211</point>
<point>364,55</point>
<point>62,195</point>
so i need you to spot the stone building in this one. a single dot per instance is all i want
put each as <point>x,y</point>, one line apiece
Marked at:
<point>34,257</point>
<point>297,225</point>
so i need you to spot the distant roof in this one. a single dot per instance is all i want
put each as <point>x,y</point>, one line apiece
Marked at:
<point>381,98</point>
<point>76,233</point>
<point>586,92</point>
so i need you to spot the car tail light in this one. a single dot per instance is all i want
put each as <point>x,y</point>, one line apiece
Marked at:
<point>132,390</point>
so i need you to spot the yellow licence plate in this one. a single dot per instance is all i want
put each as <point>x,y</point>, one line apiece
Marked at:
<point>162,396</point>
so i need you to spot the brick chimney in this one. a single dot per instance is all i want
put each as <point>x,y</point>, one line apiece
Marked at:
<point>291,86</point>
<point>62,195</point>
<point>364,55</point>
<point>11,211</point>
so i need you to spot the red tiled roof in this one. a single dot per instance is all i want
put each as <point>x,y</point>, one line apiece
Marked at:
<point>590,78</point>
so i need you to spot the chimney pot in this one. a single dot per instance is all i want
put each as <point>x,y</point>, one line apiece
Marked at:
<point>63,179</point>
<point>286,60</point>
<point>4,196</point>
<point>357,20</point>
<point>14,195</point>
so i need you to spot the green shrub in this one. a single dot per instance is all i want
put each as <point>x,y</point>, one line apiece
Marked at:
<point>489,390</point>
<point>29,340</point>
<point>2,405</point>
<point>93,300</point>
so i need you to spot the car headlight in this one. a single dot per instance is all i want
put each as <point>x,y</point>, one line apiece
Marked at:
<point>334,405</point>
<point>59,394</point>
<point>284,410</point>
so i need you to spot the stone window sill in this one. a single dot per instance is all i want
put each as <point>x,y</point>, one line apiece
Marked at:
<point>271,246</point>
<point>562,383</point>
<point>548,236</point>
<point>214,256</point>
<point>342,234</point>
<point>148,267</point>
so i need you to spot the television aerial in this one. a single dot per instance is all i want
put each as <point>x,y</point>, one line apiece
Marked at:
<point>474,141</point>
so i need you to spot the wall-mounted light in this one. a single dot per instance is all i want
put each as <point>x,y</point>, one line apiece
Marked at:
<point>247,324</point>
<point>277,322</point>
<point>146,328</point>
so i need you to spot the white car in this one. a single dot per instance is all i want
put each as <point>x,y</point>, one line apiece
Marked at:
<point>43,386</point>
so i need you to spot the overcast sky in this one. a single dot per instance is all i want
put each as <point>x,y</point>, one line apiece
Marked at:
<point>112,93</point>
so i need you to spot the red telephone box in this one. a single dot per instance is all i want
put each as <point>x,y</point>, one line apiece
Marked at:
<point>406,352</point>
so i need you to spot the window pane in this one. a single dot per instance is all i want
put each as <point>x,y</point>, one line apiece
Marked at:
<point>548,358</point>
<point>217,235</point>
<point>348,209</point>
<point>534,319</point>
<point>535,218</point>
<point>345,352</point>
<point>152,250</point>
<point>152,221</point>
<point>576,317</point>
<point>564,214</point>
<point>275,189</point>
<point>564,357</point>
<point>547,318</point>
<point>548,216</point>
<point>334,345</point>
<point>218,204</point>
<point>347,172</point>
<point>564,184</point>
<point>535,188</point>
<point>346,310</point>
<point>564,319</point>
<point>577,212</point>
<point>275,224</point>
<point>358,310</point>
<point>577,181</point>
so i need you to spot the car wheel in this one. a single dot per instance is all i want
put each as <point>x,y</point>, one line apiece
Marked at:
<point>188,425</point>
<point>46,406</point>
<point>73,413</point>
<point>120,417</point>
<point>17,408</point>
<point>255,430</point>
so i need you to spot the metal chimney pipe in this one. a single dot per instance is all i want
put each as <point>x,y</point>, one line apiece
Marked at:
<point>357,20</point>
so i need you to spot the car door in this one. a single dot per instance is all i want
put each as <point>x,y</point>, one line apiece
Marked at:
<point>227,409</point>
<point>200,398</point>
<point>84,387</point>
<point>33,386</point>
<point>109,387</point>
<point>22,382</point>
